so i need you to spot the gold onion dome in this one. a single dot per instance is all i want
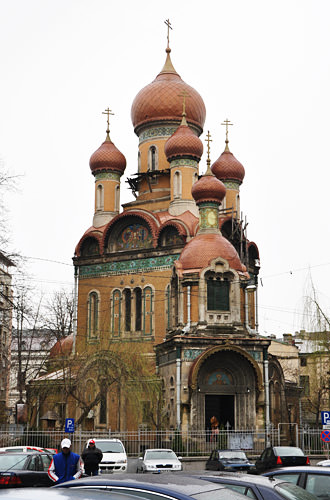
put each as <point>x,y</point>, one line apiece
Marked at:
<point>208,188</point>
<point>107,158</point>
<point>161,101</point>
<point>183,143</point>
<point>227,167</point>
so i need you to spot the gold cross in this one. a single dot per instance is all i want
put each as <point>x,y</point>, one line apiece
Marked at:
<point>168,24</point>
<point>184,94</point>
<point>208,140</point>
<point>226,122</point>
<point>107,112</point>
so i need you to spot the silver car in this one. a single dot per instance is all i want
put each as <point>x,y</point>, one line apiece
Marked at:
<point>159,460</point>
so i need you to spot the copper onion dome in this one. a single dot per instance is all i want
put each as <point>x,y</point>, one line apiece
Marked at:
<point>208,188</point>
<point>203,248</point>
<point>183,143</point>
<point>107,158</point>
<point>228,167</point>
<point>161,101</point>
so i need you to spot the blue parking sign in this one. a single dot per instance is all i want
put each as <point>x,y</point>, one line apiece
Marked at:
<point>325,416</point>
<point>69,425</point>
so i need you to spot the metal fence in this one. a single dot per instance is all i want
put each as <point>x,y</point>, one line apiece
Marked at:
<point>191,443</point>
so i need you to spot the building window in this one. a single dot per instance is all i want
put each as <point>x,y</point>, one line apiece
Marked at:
<point>168,307</point>
<point>93,314</point>
<point>147,310</point>
<point>177,185</point>
<point>304,384</point>
<point>139,161</point>
<point>117,198</point>
<point>116,312</point>
<point>153,159</point>
<point>103,407</point>
<point>128,310</point>
<point>99,197</point>
<point>138,308</point>
<point>217,295</point>
<point>303,361</point>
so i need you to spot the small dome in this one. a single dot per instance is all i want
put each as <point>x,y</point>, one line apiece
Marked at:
<point>107,158</point>
<point>228,167</point>
<point>208,188</point>
<point>183,143</point>
<point>63,347</point>
<point>198,252</point>
<point>161,100</point>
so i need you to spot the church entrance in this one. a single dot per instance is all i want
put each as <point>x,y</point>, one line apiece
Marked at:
<point>221,407</point>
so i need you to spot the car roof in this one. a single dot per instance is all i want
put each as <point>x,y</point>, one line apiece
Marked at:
<point>241,477</point>
<point>297,468</point>
<point>158,449</point>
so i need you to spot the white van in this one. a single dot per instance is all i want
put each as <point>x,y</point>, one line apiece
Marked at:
<point>114,455</point>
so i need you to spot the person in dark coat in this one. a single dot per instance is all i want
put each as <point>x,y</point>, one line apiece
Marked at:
<point>91,457</point>
<point>65,465</point>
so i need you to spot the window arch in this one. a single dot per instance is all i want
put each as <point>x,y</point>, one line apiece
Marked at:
<point>99,197</point>
<point>147,310</point>
<point>93,315</point>
<point>177,185</point>
<point>117,198</point>
<point>168,307</point>
<point>128,309</point>
<point>139,161</point>
<point>103,405</point>
<point>116,312</point>
<point>153,158</point>
<point>138,308</point>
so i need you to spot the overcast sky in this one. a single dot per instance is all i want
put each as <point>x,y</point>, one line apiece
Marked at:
<point>265,65</point>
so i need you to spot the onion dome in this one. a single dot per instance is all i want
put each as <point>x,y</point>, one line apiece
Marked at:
<point>203,248</point>
<point>208,188</point>
<point>161,101</point>
<point>107,158</point>
<point>63,347</point>
<point>183,143</point>
<point>227,167</point>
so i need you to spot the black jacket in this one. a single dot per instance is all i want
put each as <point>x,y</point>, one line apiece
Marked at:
<point>91,457</point>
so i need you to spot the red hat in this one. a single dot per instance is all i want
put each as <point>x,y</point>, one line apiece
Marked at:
<point>91,441</point>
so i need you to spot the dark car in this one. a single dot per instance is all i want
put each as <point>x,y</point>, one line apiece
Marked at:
<point>258,487</point>
<point>154,487</point>
<point>228,460</point>
<point>24,469</point>
<point>280,456</point>
<point>316,480</point>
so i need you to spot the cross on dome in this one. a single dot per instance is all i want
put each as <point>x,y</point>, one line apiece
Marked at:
<point>168,24</point>
<point>108,112</point>
<point>226,122</point>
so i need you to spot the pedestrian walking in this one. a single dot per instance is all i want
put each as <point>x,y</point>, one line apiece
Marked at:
<point>65,465</point>
<point>91,457</point>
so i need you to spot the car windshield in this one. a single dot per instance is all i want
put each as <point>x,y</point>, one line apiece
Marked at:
<point>288,451</point>
<point>159,454</point>
<point>232,454</point>
<point>290,491</point>
<point>110,447</point>
<point>14,461</point>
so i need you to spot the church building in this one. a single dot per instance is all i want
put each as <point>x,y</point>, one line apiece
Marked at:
<point>174,271</point>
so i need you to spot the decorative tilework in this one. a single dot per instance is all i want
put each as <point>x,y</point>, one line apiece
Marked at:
<point>231,184</point>
<point>157,132</point>
<point>191,354</point>
<point>208,215</point>
<point>128,266</point>
<point>107,175</point>
<point>255,355</point>
<point>184,163</point>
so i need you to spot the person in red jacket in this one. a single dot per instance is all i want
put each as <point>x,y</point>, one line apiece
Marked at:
<point>65,465</point>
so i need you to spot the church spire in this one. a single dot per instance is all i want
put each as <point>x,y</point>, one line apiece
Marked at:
<point>168,66</point>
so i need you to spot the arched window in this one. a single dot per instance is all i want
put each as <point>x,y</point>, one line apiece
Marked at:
<point>177,185</point>
<point>127,298</point>
<point>218,294</point>
<point>168,307</point>
<point>103,406</point>
<point>174,312</point>
<point>99,197</point>
<point>116,313</point>
<point>139,161</point>
<point>93,314</point>
<point>153,158</point>
<point>138,308</point>
<point>117,198</point>
<point>147,310</point>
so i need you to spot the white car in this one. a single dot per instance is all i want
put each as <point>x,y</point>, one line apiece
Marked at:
<point>324,463</point>
<point>159,460</point>
<point>114,455</point>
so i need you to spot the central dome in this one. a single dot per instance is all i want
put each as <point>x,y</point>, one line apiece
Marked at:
<point>161,100</point>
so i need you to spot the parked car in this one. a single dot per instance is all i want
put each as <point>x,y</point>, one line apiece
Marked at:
<point>159,460</point>
<point>228,460</point>
<point>20,449</point>
<point>258,487</point>
<point>18,469</point>
<point>324,463</point>
<point>316,480</point>
<point>114,455</point>
<point>280,456</point>
<point>167,486</point>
